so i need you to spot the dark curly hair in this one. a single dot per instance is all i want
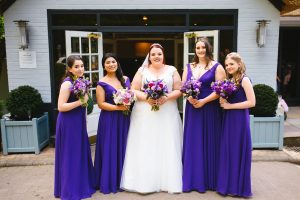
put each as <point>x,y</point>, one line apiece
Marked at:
<point>119,72</point>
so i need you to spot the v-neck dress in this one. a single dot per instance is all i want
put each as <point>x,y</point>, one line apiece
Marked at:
<point>111,144</point>
<point>202,129</point>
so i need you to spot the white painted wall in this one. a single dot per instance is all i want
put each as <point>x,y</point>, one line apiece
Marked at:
<point>261,63</point>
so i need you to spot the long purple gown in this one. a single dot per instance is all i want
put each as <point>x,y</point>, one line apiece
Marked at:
<point>235,151</point>
<point>111,144</point>
<point>74,172</point>
<point>202,129</point>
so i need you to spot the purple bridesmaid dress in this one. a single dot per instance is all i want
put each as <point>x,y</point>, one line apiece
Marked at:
<point>236,150</point>
<point>74,172</point>
<point>202,129</point>
<point>111,144</point>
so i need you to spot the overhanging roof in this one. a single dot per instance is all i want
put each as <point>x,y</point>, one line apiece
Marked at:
<point>5,4</point>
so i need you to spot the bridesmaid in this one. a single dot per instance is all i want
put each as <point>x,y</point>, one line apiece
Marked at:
<point>112,127</point>
<point>74,175</point>
<point>235,157</point>
<point>202,122</point>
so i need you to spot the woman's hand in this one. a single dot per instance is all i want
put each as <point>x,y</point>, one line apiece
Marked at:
<point>224,103</point>
<point>222,100</point>
<point>199,103</point>
<point>152,102</point>
<point>122,107</point>
<point>85,99</point>
<point>162,100</point>
<point>192,100</point>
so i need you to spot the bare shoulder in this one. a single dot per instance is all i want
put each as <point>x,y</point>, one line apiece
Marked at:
<point>246,79</point>
<point>66,84</point>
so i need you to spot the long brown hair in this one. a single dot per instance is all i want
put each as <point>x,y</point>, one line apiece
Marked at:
<point>119,72</point>
<point>69,63</point>
<point>242,68</point>
<point>208,53</point>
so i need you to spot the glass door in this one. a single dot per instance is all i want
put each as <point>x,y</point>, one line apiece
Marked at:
<point>89,46</point>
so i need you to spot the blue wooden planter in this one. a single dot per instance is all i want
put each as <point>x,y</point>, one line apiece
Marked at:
<point>267,132</point>
<point>25,136</point>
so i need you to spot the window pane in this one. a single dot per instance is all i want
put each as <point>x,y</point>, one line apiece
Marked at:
<point>75,45</point>
<point>74,19</point>
<point>94,45</point>
<point>95,79</point>
<point>84,45</point>
<point>87,75</point>
<point>142,20</point>
<point>211,20</point>
<point>191,57</point>
<point>86,63</point>
<point>192,45</point>
<point>94,63</point>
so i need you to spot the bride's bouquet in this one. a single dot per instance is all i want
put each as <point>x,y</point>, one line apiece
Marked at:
<point>124,97</point>
<point>80,88</point>
<point>191,88</point>
<point>154,90</point>
<point>224,88</point>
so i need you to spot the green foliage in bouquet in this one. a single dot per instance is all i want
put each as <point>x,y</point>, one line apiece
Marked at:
<point>24,103</point>
<point>90,105</point>
<point>266,101</point>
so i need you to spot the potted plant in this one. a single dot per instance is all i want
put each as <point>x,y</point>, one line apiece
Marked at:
<point>1,114</point>
<point>27,129</point>
<point>266,127</point>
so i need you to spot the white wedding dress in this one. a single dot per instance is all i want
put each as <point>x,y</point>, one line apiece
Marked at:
<point>154,146</point>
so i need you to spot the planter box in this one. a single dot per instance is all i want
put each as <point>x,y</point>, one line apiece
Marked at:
<point>267,132</point>
<point>25,136</point>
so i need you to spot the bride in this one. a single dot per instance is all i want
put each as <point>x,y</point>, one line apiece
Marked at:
<point>153,155</point>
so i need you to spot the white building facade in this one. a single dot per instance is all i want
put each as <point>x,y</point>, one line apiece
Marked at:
<point>49,20</point>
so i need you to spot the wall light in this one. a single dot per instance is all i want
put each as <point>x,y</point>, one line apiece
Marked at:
<point>261,33</point>
<point>22,25</point>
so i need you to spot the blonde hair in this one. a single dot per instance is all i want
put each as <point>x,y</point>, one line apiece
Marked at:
<point>242,68</point>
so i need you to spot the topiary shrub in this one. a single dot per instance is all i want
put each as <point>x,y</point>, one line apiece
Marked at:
<point>266,101</point>
<point>2,105</point>
<point>24,103</point>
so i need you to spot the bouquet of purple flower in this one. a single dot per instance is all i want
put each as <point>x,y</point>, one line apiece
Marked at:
<point>124,97</point>
<point>224,88</point>
<point>155,90</point>
<point>81,87</point>
<point>191,88</point>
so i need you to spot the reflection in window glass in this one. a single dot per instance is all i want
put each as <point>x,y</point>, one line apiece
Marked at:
<point>87,75</point>
<point>84,45</point>
<point>75,45</point>
<point>95,79</point>
<point>94,63</point>
<point>94,45</point>
<point>211,20</point>
<point>86,63</point>
<point>142,20</point>
<point>74,19</point>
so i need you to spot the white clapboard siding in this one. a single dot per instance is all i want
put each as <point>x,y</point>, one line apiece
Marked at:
<point>261,63</point>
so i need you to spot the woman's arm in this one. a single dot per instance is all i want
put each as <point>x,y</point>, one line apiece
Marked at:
<point>100,95</point>
<point>64,94</point>
<point>249,103</point>
<point>176,90</point>
<point>136,86</point>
